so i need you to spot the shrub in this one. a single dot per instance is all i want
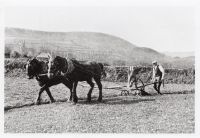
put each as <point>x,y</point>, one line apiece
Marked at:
<point>7,52</point>
<point>15,54</point>
<point>11,64</point>
<point>186,76</point>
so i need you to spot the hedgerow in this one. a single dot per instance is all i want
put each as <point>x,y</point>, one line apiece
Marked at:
<point>15,67</point>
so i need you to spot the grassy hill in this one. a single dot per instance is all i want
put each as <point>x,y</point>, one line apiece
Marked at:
<point>180,54</point>
<point>82,45</point>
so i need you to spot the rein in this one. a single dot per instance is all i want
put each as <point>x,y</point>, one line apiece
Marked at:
<point>39,75</point>
<point>42,74</point>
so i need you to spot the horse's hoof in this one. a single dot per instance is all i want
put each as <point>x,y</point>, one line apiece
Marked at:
<point>73,103</point>
<point>37,103</point>
<point>69,100</point>
<point>53,101</point>
<point>88,101</point>
<point>100,100</point>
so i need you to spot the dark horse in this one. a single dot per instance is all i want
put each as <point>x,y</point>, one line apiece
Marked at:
<point>78,71</point>
<point>38,69</point>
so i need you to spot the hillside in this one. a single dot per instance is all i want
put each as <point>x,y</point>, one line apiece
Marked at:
<point>179,54</point>
<point>81,45</point>
<point>185,62</point>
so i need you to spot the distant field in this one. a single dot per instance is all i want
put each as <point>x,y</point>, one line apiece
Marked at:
<point>172,112</point>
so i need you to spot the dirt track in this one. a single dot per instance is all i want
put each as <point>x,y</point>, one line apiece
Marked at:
<point>172,112</point>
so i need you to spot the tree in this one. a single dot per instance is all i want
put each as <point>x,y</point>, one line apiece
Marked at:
<point>15,54</point>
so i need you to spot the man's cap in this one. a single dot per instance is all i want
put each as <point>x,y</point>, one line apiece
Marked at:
<point>154,62</point>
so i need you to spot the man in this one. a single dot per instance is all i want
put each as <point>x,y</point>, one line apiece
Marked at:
<point>158,76</point>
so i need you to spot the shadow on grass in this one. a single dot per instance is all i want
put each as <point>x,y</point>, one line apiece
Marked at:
<point>111,100</point>
<point>181,92</point>
<point>107,99</point>
<point>116,101</point>
<point>6,108</point>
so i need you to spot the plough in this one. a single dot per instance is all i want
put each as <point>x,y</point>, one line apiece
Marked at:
<point>139,88</point>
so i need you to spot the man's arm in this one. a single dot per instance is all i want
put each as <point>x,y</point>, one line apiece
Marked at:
<point>153,75</point>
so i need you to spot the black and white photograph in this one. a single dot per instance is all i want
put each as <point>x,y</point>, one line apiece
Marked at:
<point>99,69</point>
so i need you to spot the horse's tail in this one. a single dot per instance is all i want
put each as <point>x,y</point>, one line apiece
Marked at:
<point>103,73</point>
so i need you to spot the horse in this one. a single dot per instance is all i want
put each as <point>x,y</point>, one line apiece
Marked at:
<point>133,77</point>
<point>77,71</point>
<point>38,69</point>
<point>133,73</point>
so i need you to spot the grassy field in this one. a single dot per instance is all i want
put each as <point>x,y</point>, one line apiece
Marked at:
<point>172,112</point>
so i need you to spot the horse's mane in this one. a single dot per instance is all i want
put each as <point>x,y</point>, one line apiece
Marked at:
<point>77,61</point>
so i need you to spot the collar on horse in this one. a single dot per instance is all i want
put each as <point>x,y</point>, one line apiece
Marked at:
<point>38,76</point>
<point>70,66</point>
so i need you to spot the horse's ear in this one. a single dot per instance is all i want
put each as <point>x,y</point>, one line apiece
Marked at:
<point>31,58</point>
<point>28,59</point>
<point>49,56</point>
<point>34,58</point>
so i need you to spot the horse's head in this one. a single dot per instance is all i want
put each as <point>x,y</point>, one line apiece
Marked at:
<point>103,72</point>
<point>33,68</point>
<point>55,66</point>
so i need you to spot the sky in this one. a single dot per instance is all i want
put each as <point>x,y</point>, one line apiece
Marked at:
<point>163,28</point>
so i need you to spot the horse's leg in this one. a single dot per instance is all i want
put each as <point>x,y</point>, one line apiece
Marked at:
<point>39,95</point>
<point>74,96</point>
<point>50,96</point>
<point>90,91</point>
<point>98,81</point>
<point>70,97</point>
<point>69,84</point>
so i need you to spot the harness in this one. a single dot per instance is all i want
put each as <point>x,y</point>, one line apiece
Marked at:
<point>70,67</point>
